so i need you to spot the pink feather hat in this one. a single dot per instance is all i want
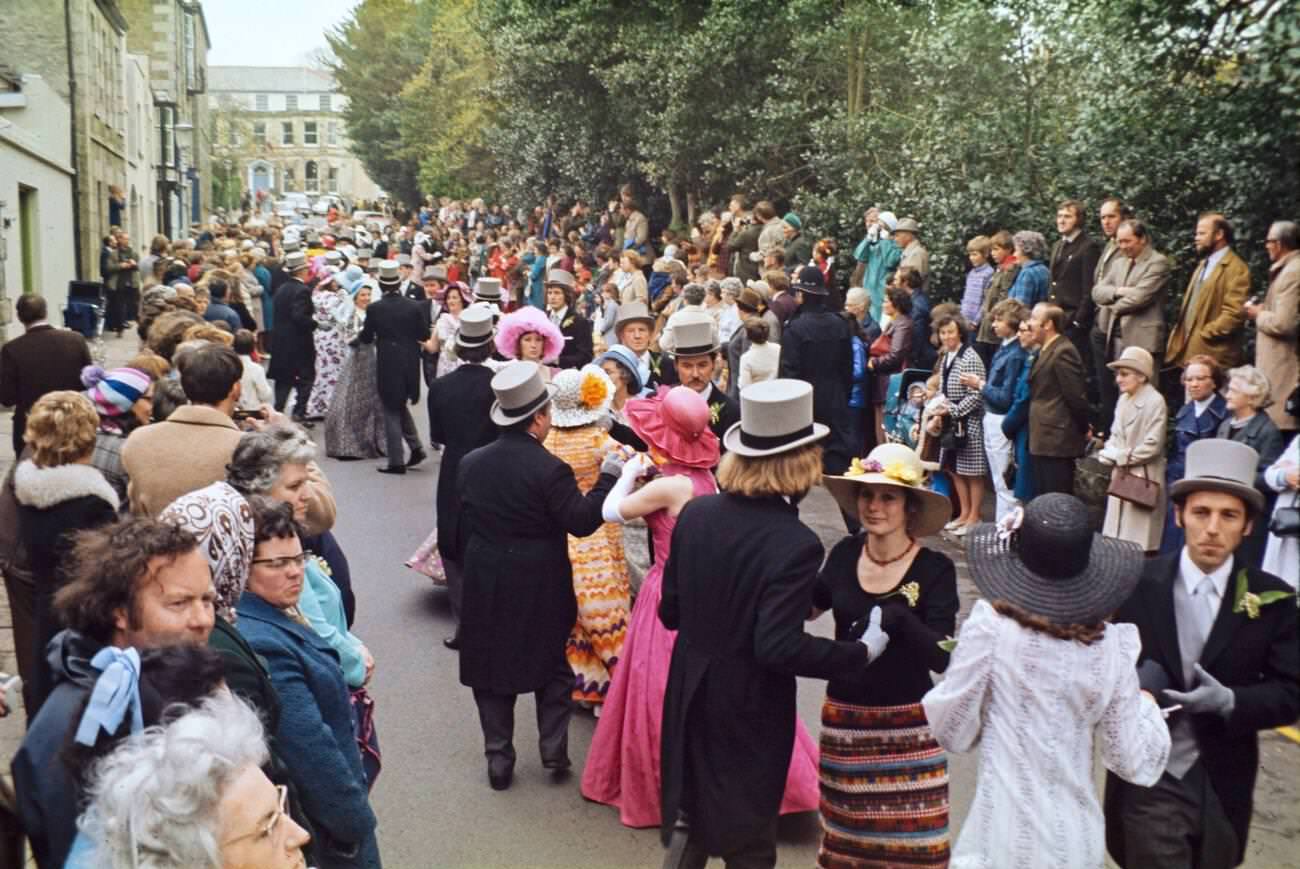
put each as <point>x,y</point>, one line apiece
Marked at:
<point>516,324</point>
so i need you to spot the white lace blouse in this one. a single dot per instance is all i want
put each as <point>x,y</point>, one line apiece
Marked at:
<point>1036,705</point>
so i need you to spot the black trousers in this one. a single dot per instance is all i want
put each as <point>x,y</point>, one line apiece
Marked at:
<point>1176,824</point>
<point>1052,474</point>
<point>496,715</point>
<point>1107,391</point>
<point>399,427</point>
<point>303,380</point>
<point>455,586</point>
<point>684,853</point>
<point>114,310</point>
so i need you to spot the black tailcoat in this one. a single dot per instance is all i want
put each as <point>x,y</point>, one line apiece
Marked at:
<point>1259,659</point>
<point>576,330</point>
<point>737,587</point>
<point>519,503</point>
<point>459,402</point>
<point>292,349</point>
<point>816,347</point>
<point>396,324</point>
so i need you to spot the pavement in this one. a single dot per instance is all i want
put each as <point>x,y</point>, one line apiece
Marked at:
<point>434,806</point>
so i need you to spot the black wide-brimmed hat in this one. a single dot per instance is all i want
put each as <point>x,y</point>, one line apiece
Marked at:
<point>1046,560</point>
<point>811,280</point>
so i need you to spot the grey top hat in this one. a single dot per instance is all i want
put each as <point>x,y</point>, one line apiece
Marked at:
<point>908,224</point>
<point>295,261</point>
<point>333,257</point>
<point>1220,465</point>
<point>475,328</point>
<point>776,416</point>
<point>695,335</point>
<point>520,392</point>
<point>388,273</point>
<point>632,312</point>
<point>434,273</point>
<point>403,259</point>
<point>487,289</point>
<point>365,253</point>
<point>559,277</point>
<point>291,246</point>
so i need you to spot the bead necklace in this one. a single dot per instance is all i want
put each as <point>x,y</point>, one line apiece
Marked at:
<point>911,544</point>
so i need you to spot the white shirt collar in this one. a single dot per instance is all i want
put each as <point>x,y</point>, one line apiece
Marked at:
<point>1069,239</point>
<point>1192,575</point>
<point>1203,404</point>
<point>1213,260</point>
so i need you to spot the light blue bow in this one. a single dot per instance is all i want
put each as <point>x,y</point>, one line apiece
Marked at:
<point>116,690</point>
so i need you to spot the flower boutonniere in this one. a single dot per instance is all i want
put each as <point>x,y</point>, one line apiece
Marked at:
<point>715,412</point>
<point>1247,601</point>
<point>947,644</point>
<point>911,592</point>
<point>568,321</point>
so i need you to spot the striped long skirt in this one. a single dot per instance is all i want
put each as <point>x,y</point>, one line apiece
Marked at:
<point>884,788</point>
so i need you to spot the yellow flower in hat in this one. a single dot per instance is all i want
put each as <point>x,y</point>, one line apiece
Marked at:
<point>902,473</point>
<point>592,392</point>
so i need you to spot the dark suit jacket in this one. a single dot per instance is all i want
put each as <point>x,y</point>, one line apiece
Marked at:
<point>737,587</point>
<point>1072,265</point>
<point>458,419</point>
<point>576,330</point>
<point>1058,402</point>
<point>1259,659</point>
<point>396,325</point>
<point>42,360</point>
<point>726,410</point>
<point>519,503</point>
<point>816,347</point>
<point>293,350</point>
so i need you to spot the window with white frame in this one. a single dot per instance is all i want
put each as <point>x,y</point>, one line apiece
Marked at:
<point>311,177</point>
<point>259,132</point>
<point>291,102</point>
<point>332,182</point>
<point>286,133</point>
<point>331,133</point>
<point>325,102</point>
<point>262,103</point>
<point>309,133</point>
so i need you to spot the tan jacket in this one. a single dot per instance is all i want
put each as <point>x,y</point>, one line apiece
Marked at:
<point>1058,402</point>
<point>1131,301</point>
<point>1275,339</point>
<point>187,451</point>
<point>1137,444</point>
<point>1217,325</point>
<point>915,256</point>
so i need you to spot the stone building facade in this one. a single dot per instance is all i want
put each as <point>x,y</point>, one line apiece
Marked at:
<point>281,130</point>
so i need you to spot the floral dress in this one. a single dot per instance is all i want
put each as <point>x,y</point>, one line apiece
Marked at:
<point>331,351</point>
<point>600,578</point>
<point>354,422</point>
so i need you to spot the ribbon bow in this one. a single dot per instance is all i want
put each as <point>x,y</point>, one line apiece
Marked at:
<point>116,690</point>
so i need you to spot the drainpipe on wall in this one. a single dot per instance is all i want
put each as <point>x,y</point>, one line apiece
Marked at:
<point>76,168</point>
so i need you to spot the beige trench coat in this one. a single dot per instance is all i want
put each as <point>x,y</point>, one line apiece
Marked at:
<point>1275,339</point>
<point>1137,444</point>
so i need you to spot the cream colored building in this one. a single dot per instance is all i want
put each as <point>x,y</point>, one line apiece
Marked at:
<point>141,188</point>
<point>281,130</point>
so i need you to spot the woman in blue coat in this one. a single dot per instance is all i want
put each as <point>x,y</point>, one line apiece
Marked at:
<point>315,733</point>
<point>1200,417</point>
<point>1033,281</point>
<point>998,391</point>
<point>1015,425</point>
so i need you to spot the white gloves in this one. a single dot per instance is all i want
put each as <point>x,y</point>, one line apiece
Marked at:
<point>632,469</point>
<point>874,637</point>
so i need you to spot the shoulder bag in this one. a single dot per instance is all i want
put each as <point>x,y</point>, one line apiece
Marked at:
<point>1286,520</point>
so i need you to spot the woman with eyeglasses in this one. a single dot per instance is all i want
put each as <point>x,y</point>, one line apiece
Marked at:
<point>314,736</point>
<point>1199,417</point>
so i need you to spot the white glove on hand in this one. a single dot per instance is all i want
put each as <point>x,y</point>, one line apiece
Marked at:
<point>632,469</point>
<point>874,637</point>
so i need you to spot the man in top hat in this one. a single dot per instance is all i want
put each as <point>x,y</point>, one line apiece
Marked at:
<point>410,282</point>
<point>518,503</point>
<point>434,284</point>
<point>695,355</point>
<point>634,329</point>
<point>459,403</point>
<point>561,290</point>
<point>399,328</point>
<point>817,348</point>
<point>487,291</point>
<point>293,352</point>
<point>737,587</point>
<point>1231,669</point>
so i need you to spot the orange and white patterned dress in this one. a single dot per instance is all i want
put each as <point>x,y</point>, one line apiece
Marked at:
<point>600,577</point>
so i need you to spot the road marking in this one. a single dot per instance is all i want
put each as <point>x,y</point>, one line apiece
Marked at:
<point>1290,733</point>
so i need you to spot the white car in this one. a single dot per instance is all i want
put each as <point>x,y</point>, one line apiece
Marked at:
<point>296,201</point>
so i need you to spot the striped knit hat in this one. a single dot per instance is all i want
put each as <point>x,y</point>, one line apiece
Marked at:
<point>113,392</point>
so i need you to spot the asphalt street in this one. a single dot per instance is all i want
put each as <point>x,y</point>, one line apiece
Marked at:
<point>434,806</point>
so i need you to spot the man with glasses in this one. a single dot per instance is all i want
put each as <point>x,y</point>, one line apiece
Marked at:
<point>1277,323</point>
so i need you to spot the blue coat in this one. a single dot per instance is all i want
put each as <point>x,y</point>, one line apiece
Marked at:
<point>1032,283</point>
<point>1016,427</point>
<point>1004,373</point>
<point>1188,429</point>
<point>315,736</point>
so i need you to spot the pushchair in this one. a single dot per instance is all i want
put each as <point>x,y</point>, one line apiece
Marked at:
<point>898,415</point>
<point>85,314</point>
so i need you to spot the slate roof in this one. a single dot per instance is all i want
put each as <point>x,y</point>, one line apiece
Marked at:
<point>269,80</point>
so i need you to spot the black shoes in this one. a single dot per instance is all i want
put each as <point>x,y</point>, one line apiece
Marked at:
<point>303,421</point>
<point>387,469</point>
<point>452,642</point>
<point>559,764</point>
<point>416,457</point>
<point>500,775</point>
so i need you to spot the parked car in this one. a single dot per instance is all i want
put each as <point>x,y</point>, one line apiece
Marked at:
<point>297,201</point>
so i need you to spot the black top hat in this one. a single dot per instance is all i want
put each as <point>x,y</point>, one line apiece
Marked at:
<point>1046,560</point>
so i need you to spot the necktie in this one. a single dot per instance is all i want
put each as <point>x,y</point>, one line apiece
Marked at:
<point>1207,607</point>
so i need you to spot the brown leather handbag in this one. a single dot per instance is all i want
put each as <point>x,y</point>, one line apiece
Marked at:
<point>1128,486</point>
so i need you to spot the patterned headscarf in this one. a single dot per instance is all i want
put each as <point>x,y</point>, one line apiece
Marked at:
<point>223,522</point>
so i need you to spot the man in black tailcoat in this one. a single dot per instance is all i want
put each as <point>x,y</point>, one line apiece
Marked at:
<point>1232,672</point>
<point>695,358</point>
<point>293,351</point>
<point>519,504</point>
<point>398,327</point>
<point>459,406</point>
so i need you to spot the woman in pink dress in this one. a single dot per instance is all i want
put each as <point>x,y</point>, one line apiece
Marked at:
<point>623,764</point>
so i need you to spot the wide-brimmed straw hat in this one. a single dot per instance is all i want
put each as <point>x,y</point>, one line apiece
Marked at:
<point>582,396</point>
<point>1135,359</point>
<point>1220,465</point>
<point>520,392</point>
<point>776,416</point>
<point>675,422</point>
<point>1046,560</point>
<point>891,465</point>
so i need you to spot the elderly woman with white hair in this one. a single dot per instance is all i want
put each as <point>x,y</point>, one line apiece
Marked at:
<point>1032,281</point>
<point>1248,395</point>
<point>192,795</point>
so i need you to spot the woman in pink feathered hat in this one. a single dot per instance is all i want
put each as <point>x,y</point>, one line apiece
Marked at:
<point>528,334</point>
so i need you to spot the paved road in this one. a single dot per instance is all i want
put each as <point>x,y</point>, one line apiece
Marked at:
<point>434,805</point>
